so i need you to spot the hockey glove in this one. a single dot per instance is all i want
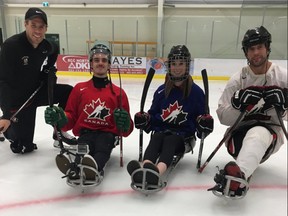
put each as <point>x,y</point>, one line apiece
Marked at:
<point>122,120</point>
<point>245,97</point>
<point>45,71</point>
<point>55,116</point>
<point>205,125</point>
<point>141,120</point>
<point>276,96</point>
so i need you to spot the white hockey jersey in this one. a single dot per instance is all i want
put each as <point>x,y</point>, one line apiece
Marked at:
<point>227,115</point>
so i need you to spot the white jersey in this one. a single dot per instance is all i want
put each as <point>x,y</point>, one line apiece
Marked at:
<point>227,115</point>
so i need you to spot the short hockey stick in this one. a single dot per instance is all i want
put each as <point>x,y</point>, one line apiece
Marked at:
<point>226,137</point>
<point>50,84</point>
<point>148,80</point>
<point>120,106</point>
<point>207,111</point>
<point>13,117</point>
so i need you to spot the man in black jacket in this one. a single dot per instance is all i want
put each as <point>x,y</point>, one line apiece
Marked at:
<point>25,59</point>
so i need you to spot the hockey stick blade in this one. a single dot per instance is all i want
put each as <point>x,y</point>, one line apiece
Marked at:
<point>207,111</point>
<point>148,80</point>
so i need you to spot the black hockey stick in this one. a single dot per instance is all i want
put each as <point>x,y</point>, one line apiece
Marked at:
<point>50,84</point>
<point>207,111</point>
<point>148,80</point>
<point>13,118</point>
<point>226,137</point>
<point>281,122</point>
<point>120,106</point>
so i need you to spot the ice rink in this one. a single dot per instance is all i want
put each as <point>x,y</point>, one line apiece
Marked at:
<point>31,184</point>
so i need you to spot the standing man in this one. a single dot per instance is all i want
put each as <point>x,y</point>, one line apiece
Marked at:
<point>25,59</point>
<point>260,90</point>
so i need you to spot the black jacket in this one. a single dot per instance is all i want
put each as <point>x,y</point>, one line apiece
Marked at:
<point>21,70</point>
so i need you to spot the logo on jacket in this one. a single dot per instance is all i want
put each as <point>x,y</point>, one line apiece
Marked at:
<point>25,60</point>
<point>174,114</point>
<point>97,110</point>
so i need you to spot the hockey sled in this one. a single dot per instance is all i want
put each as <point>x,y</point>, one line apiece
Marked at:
<point>78,178</point>
<point>76,173</point>
<point>226,193</point>
<point>142,178</point>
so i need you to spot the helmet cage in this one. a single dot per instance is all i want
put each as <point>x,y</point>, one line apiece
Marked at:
<point>100,48</point>
<point>179,52</point>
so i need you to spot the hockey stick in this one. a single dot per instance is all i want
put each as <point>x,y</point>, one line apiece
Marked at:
<point>207,111</point>
<point>120,106</point>
<point>13,117</point>
<point>50,84</point>
<point>281,121</point>
<point>148,80</point>
<point>226,137</point>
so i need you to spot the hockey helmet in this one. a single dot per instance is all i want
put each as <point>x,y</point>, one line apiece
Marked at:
<point>179,52</point>
<point>100,48</point>
<point>258,35</point>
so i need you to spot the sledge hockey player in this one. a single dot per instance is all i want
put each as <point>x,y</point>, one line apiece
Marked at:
<point>260,90</point>
<point>177,111</point>
<point>25,59</point>
<point>93,113</point>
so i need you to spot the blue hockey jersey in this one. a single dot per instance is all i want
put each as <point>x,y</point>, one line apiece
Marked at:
<point>175,113</point>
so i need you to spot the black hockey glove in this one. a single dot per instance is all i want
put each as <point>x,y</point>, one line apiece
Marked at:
<point>276,96</point>
<point>45,71</point>
<point>245,97</point>
<point>205,125</point>
<point>141,120</point>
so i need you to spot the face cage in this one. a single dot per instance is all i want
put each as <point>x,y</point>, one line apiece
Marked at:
<point>227,193</point>
<point>185,76</point>
<point>100,50</point>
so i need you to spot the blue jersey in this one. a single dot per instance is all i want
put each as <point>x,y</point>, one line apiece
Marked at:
<point>176,113</point>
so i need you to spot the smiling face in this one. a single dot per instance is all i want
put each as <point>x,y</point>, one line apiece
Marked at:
<point>100,65</point>
<point>35,31</point>
<point>257,55</point>
<point>178,68</point>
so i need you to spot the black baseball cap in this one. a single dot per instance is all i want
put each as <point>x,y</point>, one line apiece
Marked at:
<point>36,12</point>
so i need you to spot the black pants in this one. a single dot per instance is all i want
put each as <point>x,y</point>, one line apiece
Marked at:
<point>100,144</point>
<point>22,131</point>
<point>164,146</point>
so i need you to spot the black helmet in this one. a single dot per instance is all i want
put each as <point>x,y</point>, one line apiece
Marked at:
<point>258,35</point>
<point>100,48</point>
<point>179,52</point>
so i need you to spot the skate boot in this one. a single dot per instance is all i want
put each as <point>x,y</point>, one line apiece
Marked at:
<point>152,174</point>
<point>63,163</point>
<point>230,182</point>
<point>135,171</point>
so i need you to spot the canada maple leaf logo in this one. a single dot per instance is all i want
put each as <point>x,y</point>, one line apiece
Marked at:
<point>174,114</point>
<point>97,110</point>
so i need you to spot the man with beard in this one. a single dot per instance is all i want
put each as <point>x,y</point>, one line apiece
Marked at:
<point>260,91</point>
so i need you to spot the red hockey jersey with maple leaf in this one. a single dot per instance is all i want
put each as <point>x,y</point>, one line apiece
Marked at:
<point>92,108</point>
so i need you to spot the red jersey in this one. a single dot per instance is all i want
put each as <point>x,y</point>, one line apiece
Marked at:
<point>92,108</point>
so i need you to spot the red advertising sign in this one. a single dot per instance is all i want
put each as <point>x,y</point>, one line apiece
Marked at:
<point>80,63</point>
<point>73,63</point>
